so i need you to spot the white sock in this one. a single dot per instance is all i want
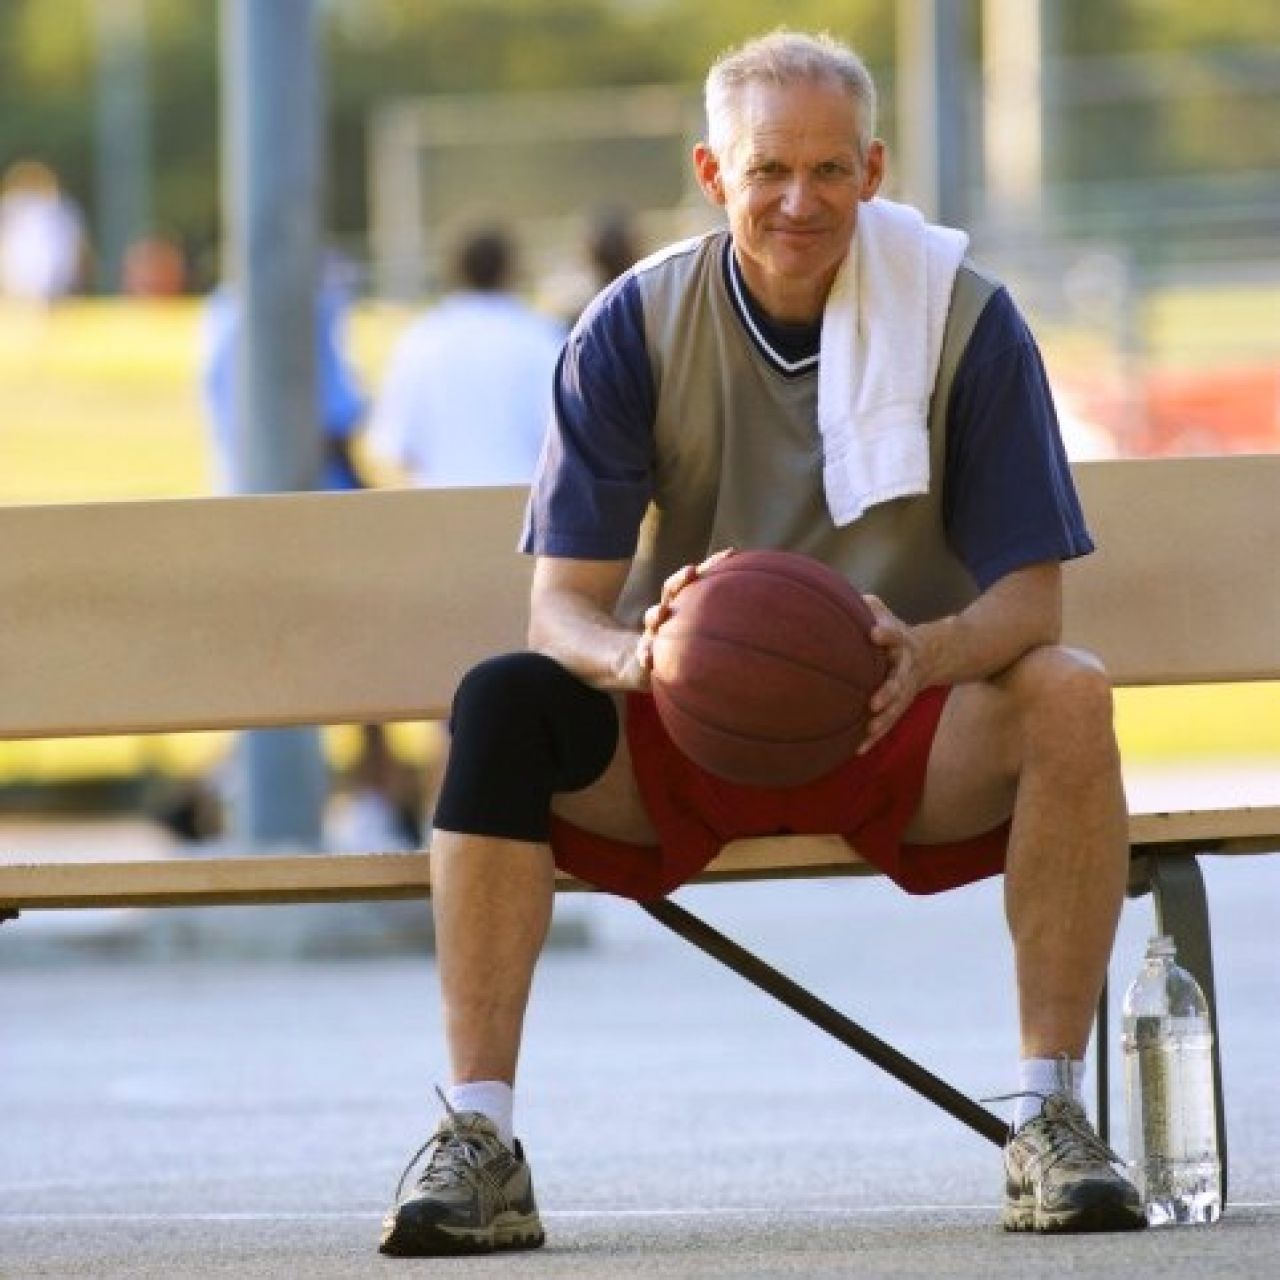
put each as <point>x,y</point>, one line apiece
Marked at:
<point>492,1098</point>
<point>1039,1077</point>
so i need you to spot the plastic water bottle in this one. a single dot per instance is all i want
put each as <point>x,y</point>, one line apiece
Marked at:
<point>1173,1134</point>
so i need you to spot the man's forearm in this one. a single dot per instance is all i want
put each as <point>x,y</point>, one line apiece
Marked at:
<point>586,641</point>
<point>1020,612</point>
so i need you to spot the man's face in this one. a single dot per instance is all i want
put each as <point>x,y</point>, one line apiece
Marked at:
<point>790,181</point>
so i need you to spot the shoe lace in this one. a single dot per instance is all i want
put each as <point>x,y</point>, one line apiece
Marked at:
<point>458,1153</point>
<point>1067,1134</point>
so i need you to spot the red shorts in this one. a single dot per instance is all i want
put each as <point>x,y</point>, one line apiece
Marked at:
<point>869,799</point>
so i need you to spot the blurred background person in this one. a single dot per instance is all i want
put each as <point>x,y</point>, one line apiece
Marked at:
<point>467,393</point>
<point>155,266</point>
<point>379,809</point>
<point>613,245</point>
<point>42,237</point>
<point>468,388</point>
<point>609,246</point>
<point>342,403</point>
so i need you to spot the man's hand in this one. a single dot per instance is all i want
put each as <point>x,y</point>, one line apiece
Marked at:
<point>656,614</point>
<point>906,677</point>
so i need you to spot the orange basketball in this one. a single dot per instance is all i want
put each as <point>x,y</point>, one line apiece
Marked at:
<point>763,671</point>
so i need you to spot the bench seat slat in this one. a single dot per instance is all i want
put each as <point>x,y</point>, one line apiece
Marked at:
<point>343,877</point>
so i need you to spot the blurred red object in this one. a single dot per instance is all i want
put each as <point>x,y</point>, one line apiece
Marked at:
<point>1234,410</point>
<point>154,268</point>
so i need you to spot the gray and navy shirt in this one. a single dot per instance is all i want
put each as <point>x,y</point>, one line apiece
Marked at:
<point>685,421</point>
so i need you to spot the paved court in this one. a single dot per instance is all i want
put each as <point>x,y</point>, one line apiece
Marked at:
<point>189,1117</point>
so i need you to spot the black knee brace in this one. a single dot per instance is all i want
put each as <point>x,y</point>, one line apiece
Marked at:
<point>522,728</point>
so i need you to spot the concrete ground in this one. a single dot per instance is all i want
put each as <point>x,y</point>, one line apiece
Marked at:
<point>178,1117</point>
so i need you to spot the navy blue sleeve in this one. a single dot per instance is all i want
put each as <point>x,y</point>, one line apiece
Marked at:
<point>1008,497</point>
<point>595,476</point>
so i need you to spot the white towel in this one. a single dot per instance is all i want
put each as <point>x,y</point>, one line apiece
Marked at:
<point>881,343</point>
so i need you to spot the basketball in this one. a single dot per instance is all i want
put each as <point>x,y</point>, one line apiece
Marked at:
<point>762,672</point>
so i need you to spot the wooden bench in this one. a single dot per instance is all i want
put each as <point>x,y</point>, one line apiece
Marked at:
<point>350,608</point>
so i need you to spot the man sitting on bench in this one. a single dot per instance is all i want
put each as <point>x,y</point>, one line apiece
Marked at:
<point>698,407</point>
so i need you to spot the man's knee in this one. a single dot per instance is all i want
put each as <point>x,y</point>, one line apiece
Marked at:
<point>523,728</point>
<point>1062,698</point>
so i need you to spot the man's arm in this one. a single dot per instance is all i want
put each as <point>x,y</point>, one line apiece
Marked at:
<point>571,620</point>
<point>1017,613</point>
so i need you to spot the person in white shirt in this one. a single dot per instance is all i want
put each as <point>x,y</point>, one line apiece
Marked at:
<point>467,394</point>
<point>42,239</point>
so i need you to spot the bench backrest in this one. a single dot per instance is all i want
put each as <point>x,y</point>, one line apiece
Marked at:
<point>214,613</point>
<point>337,608</point>
<point>1184,587</point>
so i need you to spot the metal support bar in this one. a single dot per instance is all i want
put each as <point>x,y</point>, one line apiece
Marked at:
<point>830,1020</point>
<point>7,913</point>
<point>1102,1065</point>
<point>1182,913</point>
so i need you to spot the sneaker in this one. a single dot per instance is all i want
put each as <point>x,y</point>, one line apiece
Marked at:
<point>1059,1176</point>
<point>474,1196</point>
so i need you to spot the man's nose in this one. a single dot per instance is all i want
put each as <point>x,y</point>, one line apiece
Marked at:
<point>797,196</point>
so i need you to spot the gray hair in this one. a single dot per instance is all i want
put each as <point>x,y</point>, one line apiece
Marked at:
<point>786,57</point>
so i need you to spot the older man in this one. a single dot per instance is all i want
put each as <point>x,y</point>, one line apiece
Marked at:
<point>695,412</point>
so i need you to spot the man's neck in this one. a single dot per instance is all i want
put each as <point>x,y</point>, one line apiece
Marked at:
<point>783,301</point>
<point>791,340</point>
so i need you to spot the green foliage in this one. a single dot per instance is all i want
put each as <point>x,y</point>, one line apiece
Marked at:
<point>1122,26</point>
<point>45,85</point>
<point>699,32</point>
<point>380,49</point>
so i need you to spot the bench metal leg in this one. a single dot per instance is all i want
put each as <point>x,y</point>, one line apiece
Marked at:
<point>1182,912</point>
<point>7,913</point>
<point>1102,1062</point>
<point>822,1015</point>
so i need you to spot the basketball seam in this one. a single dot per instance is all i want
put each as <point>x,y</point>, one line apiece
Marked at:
<point>728,567</point>
<point>737,642</point>
<point>696,716</point>
<point>750,739</point>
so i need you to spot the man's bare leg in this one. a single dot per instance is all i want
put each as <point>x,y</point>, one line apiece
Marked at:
<point>1038,742</point>
<point>493,900</point>
<point>1068,860</point>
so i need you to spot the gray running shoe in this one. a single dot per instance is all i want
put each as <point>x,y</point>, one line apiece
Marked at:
<point>475,1195</point>
<point>1059,1176</point>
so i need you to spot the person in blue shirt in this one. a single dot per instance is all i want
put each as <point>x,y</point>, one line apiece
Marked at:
<point>380,812</point>
<point>342,405</point>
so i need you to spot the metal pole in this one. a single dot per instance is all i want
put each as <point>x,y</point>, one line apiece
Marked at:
<point>932,79</point>
<point>830,1020</point>
<point>272,190</point>
<point>121,134</point>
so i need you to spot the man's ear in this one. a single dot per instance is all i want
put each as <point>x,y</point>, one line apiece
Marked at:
<point>872,170</point>
<point>706,167</point>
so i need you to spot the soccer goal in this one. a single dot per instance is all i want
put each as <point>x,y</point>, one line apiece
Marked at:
<point>540,162</point>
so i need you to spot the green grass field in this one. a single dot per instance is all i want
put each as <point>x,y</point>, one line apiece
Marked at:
<point>99,400</point>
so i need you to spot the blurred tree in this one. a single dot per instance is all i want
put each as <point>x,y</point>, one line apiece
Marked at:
<point>46,88</point>
<point>386,47</point>
<point>1125,26</point>
<point>1154,89</point>
<point>383,48</point>
<point>184,135</point>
